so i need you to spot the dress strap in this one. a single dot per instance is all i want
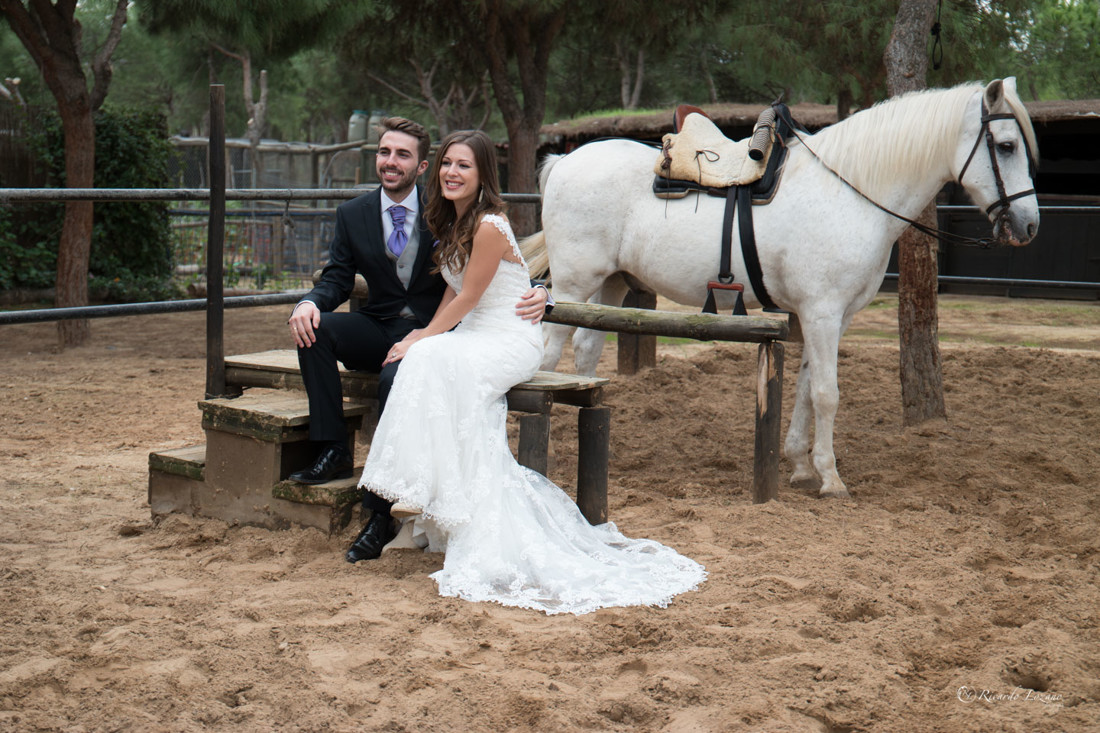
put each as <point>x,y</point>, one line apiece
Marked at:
<point>502,225</point>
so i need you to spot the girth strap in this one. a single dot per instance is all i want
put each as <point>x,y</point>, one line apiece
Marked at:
<point>734,195</point>
<point>739,198</point>
<point>749,253</point>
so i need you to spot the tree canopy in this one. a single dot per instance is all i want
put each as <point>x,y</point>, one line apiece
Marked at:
<point>431,60</point>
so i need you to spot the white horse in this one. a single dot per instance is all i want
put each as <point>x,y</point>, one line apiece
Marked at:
<point>823,248</point>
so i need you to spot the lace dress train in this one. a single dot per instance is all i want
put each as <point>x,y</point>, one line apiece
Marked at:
<point>510,535</point>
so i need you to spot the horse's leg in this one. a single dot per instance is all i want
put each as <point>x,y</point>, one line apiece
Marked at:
<point>587,343</point>
<point>555,336</point>
<point>569,287</point>
<point>797,445</point>
<point>821,342</point>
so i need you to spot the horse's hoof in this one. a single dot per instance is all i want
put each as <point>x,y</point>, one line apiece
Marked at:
<point>838,492</point>
<point>808,482</point>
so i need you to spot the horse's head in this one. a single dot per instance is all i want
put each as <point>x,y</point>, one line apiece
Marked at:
<point>995,160</point>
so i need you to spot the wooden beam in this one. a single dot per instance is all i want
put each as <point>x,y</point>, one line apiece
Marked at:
<point>700,326</point>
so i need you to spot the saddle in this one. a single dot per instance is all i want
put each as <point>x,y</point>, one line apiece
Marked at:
<point>698,157</point>
<point>700,153</point>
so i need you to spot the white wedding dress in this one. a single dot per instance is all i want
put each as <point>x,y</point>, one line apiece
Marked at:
<point>510,535</point>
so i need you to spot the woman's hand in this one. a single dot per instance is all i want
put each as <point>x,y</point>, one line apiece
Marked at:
<point>398,351</point>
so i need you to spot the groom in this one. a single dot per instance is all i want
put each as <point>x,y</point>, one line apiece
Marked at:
<point>381,235</point>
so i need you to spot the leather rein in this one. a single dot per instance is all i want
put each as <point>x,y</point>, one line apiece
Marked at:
<point>1004,200</point>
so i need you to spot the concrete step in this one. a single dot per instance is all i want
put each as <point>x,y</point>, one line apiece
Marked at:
<point>175,476</point>
<point>189,461</point>
<point>177,484</point>
<point>337,493</point>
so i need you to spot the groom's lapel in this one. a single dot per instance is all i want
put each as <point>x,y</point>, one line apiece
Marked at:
<point>425,249</point>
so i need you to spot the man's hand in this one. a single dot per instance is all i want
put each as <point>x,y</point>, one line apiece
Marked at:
<point>305,318</point>
<point>532,306</point>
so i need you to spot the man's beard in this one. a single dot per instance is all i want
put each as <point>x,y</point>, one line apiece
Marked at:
<point>406,181</point>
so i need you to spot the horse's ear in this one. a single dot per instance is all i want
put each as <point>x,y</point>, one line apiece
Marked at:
<point>994,93</point>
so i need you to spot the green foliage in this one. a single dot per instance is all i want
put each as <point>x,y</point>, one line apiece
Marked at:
<point>131,249</point>
<point>1060,55</point>
<point>21,266</point>
<point>273,28</point>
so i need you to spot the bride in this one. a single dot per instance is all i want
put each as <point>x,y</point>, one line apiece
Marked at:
<point>440,449</point>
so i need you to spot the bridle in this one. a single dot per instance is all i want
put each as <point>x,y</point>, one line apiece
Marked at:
<point>1004,200</point>
<point>991,145</point>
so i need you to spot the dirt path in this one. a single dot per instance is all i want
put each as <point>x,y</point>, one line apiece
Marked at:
<point>956,591</point>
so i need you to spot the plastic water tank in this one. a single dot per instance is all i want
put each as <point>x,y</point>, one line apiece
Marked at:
<point>357,125</point>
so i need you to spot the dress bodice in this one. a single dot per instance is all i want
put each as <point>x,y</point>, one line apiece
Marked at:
<point>498,303</point>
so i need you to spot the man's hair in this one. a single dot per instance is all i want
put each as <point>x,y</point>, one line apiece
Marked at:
<point>400,124</point>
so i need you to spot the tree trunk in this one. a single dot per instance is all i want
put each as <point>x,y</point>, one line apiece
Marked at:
<point>624,75</point>
<point>523,143</point>
<point>639,80</point>
<point>921,369</point>
<point>520,32</point>
<point>918,325</point>
<point>74,252</point>
<point>53,37</point>
<point>843,104</point>
<point>704,65</point>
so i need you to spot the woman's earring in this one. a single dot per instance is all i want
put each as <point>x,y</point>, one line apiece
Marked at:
<point>481,195</point>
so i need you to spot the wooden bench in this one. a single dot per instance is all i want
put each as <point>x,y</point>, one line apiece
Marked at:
<point>255,441</point>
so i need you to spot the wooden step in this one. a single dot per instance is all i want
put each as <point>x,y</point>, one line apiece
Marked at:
<point>274,416</point>
<point>278,369</point>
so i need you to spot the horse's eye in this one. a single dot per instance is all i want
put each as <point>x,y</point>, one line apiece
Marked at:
<point>1008,148</point>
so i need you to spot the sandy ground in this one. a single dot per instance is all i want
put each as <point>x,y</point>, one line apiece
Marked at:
<point>955,591</point>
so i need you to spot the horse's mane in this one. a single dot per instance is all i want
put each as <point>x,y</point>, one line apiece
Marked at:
<point>922,123</point>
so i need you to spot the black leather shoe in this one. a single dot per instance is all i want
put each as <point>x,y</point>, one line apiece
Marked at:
<point>368,545</point>
<point>333,463</point>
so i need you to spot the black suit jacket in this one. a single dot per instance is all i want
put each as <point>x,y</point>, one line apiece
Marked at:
<point>358,246</point>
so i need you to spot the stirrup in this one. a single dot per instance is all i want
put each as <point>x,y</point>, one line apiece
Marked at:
<point>738,308</point>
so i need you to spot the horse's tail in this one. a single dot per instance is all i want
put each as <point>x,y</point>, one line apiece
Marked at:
<point>544,170</point>
<point>535,253</point>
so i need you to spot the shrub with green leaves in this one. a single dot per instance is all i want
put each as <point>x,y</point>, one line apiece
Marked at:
<point>131,255</point>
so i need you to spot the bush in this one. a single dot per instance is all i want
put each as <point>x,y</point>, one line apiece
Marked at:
<point>131,241</point>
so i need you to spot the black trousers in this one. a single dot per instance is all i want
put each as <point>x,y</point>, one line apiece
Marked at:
<point>359,342</point>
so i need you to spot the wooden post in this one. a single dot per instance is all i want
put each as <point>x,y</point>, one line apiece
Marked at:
<point>215,245</point>
<point>534,441</point>
<point>769,408</point>
<point>593,452</point>
<point>637,351</point>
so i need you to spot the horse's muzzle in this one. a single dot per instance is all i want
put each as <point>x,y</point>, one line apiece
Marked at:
<point>1013,229</point>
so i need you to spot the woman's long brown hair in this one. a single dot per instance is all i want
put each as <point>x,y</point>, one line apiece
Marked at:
<point>456,234</point>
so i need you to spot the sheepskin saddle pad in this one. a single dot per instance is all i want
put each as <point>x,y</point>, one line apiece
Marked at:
<point>700,153</point>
